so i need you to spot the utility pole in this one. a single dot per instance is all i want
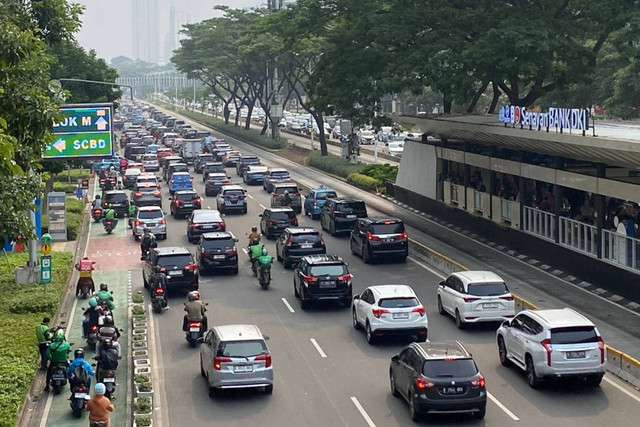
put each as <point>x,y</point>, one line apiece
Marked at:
<point>275,110</point>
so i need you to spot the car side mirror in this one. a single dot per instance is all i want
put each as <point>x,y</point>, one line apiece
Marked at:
<point>235,239</point>
<point>200,339</point>
<point>170,198</point>
<point>506,324</point>
<point>395,358</point>
<point>260,215</point>
<point>441,283</point>
<point>356,297</point>
<point>165,213</point>
<point>266,337</point>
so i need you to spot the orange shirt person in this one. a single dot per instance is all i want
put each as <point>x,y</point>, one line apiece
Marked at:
<point>99,407</point>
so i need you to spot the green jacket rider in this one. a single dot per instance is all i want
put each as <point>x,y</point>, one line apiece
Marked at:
<point>110,214</point>
<point>133,209</point>
<point>104,295</point>
<point>265,260</point>
<point>256,251</point>
<point>58,351</point>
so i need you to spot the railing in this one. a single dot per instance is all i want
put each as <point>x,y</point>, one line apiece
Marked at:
<point>578,235</point>
<point>477,200</point>
<point>621,250</point>
<point>505,210</point>
<point>539,223</point>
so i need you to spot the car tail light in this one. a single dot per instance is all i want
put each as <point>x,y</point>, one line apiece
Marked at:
<point>171,182</point>
<point>507,298</point>
<point>217,362</point>
<point>266,358</point>
<point>276,195</point>
<point>546,343</point>
<point>190,179</point>
<point>296,195</point>
<point>422,384</point>
<point>272,222</point>
<point>137,194</point>
<point>377,312</point>
<point>470,299</point>
<point>193,225</point>
<point>163,221</point>
<point>478,381</point>
<point>232,252</point>
<point>191,267</point>
<point>156,193</point>
<point>338,214</point>
<point>289,240</point>
<point>309,279</point>
<point>197,200</point>
<point>226,181</point>
<point>163,269</point>
<point>372,237</point>
<point>138,223</point>
<point>293,221</point>
<point>221,224</point>
<point>178,202</point>
<point>315,203</point>
<point>205,253</point>
<point>601,346</point>
<point>345,277</point>
<point>404,235</point>
<point>419,310</point>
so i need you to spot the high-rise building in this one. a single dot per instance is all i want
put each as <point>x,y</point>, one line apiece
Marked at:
<point>177,19</point>
<point>145,30</point>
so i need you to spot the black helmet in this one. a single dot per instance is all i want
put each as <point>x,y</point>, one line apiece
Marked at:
<point>254,229</point>
<point>108,320</point>
<point>79,354</point>
<point>104,287</point>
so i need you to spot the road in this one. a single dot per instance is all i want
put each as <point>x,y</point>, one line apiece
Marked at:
<point>350,385</point>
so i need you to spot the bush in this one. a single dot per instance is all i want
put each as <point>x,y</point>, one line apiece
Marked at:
<point>143,421</point>
<point>63,186</point>
<point>332,164</point>
<point>75,174</point>
<point>381,172</point>
<point>146,387</point>
<point>75,206</point>
<point>141,379</point>
<point>74,222</point>
<point>363,181</point>
<point>138,310</point>
<point>33,303</point>
<point>142,405</point>
<point>138,298</point>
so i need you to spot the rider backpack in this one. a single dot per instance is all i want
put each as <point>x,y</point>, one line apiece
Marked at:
<point>109,359</point>
<point>80,374</point>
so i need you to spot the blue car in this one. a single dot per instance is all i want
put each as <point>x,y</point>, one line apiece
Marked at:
<point>180,181</point>
<point>104,164</point>
<point>315,200</point>
<point>152,148</point>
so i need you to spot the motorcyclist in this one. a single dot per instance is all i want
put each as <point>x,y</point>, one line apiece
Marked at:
<point>110,215</point>
<point>103,174</point>
<point>255,252</point>
<point>78,361</point>
<point>108,185</point>
<point>57,353</point>
<point>147,241</point>
<point>108,352</point>
<point>160,280</point>
<point>91,315</point>
<point>131,213</point>
<point>99,407</point>
<point>254,236</point>
<point>103,295</point>
<point>96,202</point>
<point>112,173</point>
<point>195,311</point>
<point>264,261</point>
<point>85,267</point>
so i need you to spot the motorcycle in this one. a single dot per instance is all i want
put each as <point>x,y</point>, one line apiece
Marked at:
<point>96,213</point>
<point>158,300</point>
<point>194,332</point>
<point>144,254</point>
<point>79,397</point>
<point>265,277</point>
<point>108,378</point>
<point>85,286</point>
<point>102,181</point>
<point>58,376</point>
<point>92,338</point>
<point>109,225</point>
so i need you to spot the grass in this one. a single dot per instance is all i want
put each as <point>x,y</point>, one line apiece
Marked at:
<point>22,308</point>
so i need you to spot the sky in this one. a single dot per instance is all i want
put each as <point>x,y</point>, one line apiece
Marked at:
<point>106,25</point>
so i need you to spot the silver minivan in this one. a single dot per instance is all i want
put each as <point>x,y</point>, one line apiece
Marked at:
<point>236,356</point>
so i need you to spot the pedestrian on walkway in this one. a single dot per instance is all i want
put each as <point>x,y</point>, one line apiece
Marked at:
<point>99,407</point>
<point>42,335</point>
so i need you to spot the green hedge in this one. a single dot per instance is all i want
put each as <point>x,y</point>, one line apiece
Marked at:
<point>332,164</point>
<point>381,172</point>
<point>74,205</point>
<point>64,187</point>
<point>75,174</point>
<point>22,307</point>
<point>74,221</point>
<point>363,181</point>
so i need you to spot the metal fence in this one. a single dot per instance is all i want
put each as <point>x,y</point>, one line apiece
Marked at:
<point>621,250</point>
<point>578,235</point>
<point>539,223</point>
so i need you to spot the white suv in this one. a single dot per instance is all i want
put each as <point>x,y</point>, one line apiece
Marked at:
<point>475,296</point>
<point>552,344</point>
<point>390,310</point>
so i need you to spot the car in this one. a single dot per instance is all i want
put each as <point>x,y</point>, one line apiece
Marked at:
<point>254,174</point>
<point>366,137</point>
<point>231,158</point>
<point>321,278</point>
<point>277,195</point>
<point>146,194</point>
<point>200,160</point>
<point>336,133</point>
<point>275,176</point>
<point>151,217</point>
<point>395,149</point>
<point>384,310</point>
<point>385,133</point>
<point>173,168</point>
<point>273,221</point>
<point>217,251</point>
<point>379,237</point>
<point>190,134</point>
<point>150,163</point>
<point>210,167</point>
<point>475,296</point>
<point>168,138</point>
<point>184,202</point>
<point>180,181</point>
<point>203,221</point>
<point>177,263</point>
<point>146,178</point>
<point>153,149</point>
<point>341,213</point>
<point>236,356</point>
<point>231,198</point>
<point>129,177</point>
<point>438,377</point>
<point>170,160</point>
<point>315,200</point>
<point>297,242</point>
<point>163,153</point>
<point>553,344</point>
<point>116,200</point>
<point>214,182</point>
<point>244,161</point>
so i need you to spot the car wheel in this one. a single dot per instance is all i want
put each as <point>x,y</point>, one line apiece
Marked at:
<point>371,339</point>
<point>202,369</point>
<point>278,257</point>
<point>315,216</point>
<point>440,307</point>
<point>287,264</point>
<point>144,282</point>
<point>214,391</point>
<point>413,413</point>
<point>347,303</point>
<point>594,380</point>
<point>304,304</point>
<point>244,211</point>
<point>164,236</point>
<point>502,352</point>
<point>356,324</point>
<point>532,377</point>
<point>353,252</point>
<point>136,237</point>
<point>322,224</point>
<point>459,322</point>
<point>268,389</point>
<point>479,414</point>
<point>365,255</point>
<point>392,384</point>
<point>403,259</point>
<point>332,229</point>
<point>235,271</point>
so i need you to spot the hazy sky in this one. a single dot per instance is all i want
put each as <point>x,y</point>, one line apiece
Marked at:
<point>106,25</point>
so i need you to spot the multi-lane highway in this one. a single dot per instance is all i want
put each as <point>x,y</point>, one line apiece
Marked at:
<point>325,372</point>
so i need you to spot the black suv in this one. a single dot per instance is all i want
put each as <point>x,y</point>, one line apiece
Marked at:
<point>176,167</point>
<point>177,263</point>
<point>322,277</point>
<point>200,161</point>
<point>341,213</point>
<point>214,182</point>
<point>203,221</point>
<point>438,377</point>
<point>245,161</point>
<point>183,202</point>
<point>379,237</point>
<point>116,200</point>
<point>297,242</point>
<point>211,167</point>
<point>274,220</point>
<point>217,251</point>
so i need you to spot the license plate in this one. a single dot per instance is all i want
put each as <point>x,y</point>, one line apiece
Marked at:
<point>247,368</point>
<point>400,315</point>
<point>306,245</point>
<point>188,205</point>
<point>108,380</point>
<point>194,329</point>
<point>58,377</point>
<point>453,390</point>
<point>387,240</point>
<point>80,395</point>
<point>116,204</point>
<point>218,257</point>
<point>175,273</point>
<point>234,199</point>
<point>150,224</point>
<point>576,355</point>
<point>490,305</point>
<point>352,216</point>
<point>328,284</point>
<point>207,227</point>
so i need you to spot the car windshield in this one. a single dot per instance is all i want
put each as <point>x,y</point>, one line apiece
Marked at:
<point>242,348</point>
<point>398,302</point>
<point>149,214</point>
<point>148,190</point>
<point>326,195</point>
<point>351,206</point>
<point>149,157</point>
<point>117,197</point>
<point>133,172</point>
<point>205,218</point>
<point>223,244</point>
<point>214,166</point>
<point>282,215</point>
<point>178,259</point>
<point>186,196</point>
<point>250,160</point>
<point>392,228</point>
<point>450,368</point>
<point>574,335</point>
<point>292,190</point>
<point>206,158</point>
<point>487,289</point>
<point>152,179</point>
<point>138,150</point>
<point>328,270</point>
<point>180,168</point>
<point>216,177</point>
<point>280,174</point>
<point>233,193</point>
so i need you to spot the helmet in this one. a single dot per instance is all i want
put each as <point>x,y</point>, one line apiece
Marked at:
<point>59,336</point>
<point>197,295</point>
<point>157,269</point>
<point>97,196</point>
<point>146,230</point>
<point>79,354</point>
<point>107,343</point>
<point>100,389</point>
<point>104,287</point>
<point>265,252</point>
<point>108,320</point>
<point>93,302</point>
<point>286,192</point>
<point>254,229</point>
<point>191,296</point>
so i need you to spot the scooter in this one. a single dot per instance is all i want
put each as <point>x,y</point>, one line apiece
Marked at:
<point>158,299</point>
<point>109,225</point>
<point>265,277</point>
<point>58,376</point>
<point>194,331</point>
<point>92,338</point>
<point>85,286</point>
<point>79,396</point>
<point>96,213</point>
<point>108,378</point>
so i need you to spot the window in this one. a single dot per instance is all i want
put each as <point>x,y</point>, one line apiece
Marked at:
<point>328,270</point>
<point>305,238</point>
<point>451,368</point>
<point>175,260</point>
<point>412,358</point>
<point>518,321</point>
<point>116,197</point>
<point>222,244</point>
<point>404,356</point>
<point>351,206</point>
<point>234,193</point>
<point>487,289</point>
<point>186,197</point>
<point>324,195</point>
<point>574,335</point>
<point>531,327</point>
<point>206,218</point>
<point>367,297</point>
<point>282,215</point>
<point>279,174</point>
<point>398,302</point>
<point>242,348</point>
<point>393,228</point>
<point>291,189</point>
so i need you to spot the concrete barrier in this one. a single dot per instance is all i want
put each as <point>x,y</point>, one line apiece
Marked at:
<point>630,370</point>
<point>435,259</point>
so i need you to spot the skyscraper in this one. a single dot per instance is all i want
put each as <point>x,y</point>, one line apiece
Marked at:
<point>145,30</point>
<point>177,19</point>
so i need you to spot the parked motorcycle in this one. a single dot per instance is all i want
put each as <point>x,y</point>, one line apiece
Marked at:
<point>58,376</point>
<point>265,277</point>
<point>97,213</point>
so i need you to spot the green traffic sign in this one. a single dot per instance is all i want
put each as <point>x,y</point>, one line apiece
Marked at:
<point>85,131</point>
<point>45,269</point>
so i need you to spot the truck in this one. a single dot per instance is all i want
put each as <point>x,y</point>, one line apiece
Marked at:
<point>190,149</point>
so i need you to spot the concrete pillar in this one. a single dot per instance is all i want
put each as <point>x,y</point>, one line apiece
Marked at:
<point>491,188</point>
<point>557,202</point>
<point>522,190</point>
<point>600,208</point>
<point>467,175</point>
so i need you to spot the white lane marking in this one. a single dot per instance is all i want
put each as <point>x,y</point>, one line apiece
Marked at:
<point>284,300</point>
<point>501,406</point>
<point>622,389</point>
<point>317,346</point>
<point>245,251</point>
<point>154,360</point>
<point>208,207</point>
<point>364,414</point>
<point>427,268</point>
<point>47,409</point>
<point>250,196</point>
<point>263,206</point>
